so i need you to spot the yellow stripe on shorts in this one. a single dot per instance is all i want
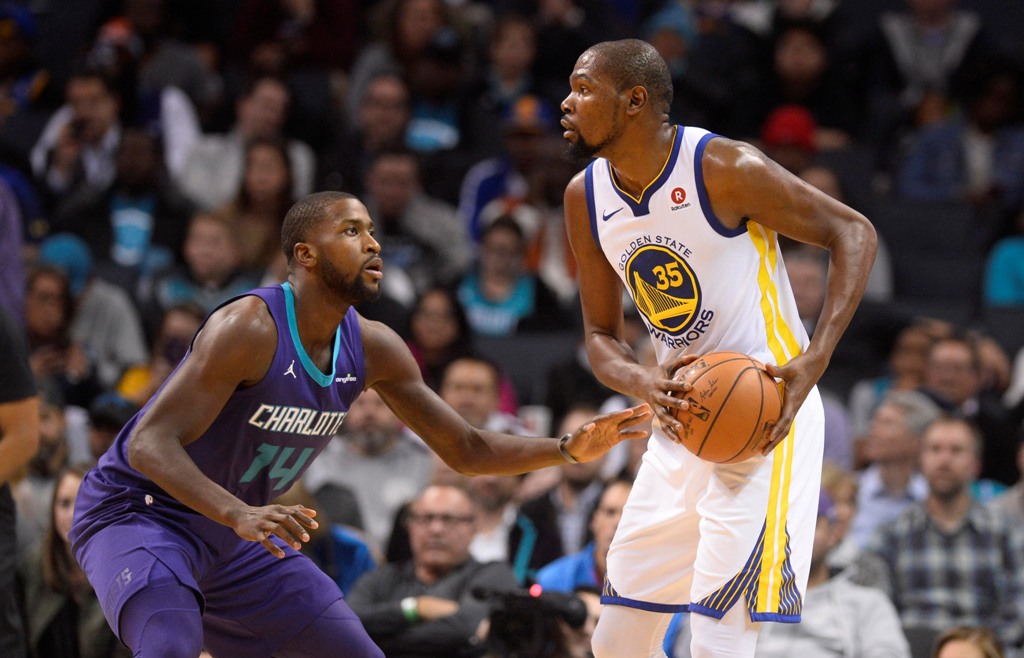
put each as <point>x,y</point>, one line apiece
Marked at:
<point>773,583</point>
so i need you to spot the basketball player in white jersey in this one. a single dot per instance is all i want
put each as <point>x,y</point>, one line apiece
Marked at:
<point>688,221</point>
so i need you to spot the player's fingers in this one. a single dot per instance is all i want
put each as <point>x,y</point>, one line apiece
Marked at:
<point>674,365</point>
<point>273,548</point>
<point>634,415</point>
<point>669,425</point>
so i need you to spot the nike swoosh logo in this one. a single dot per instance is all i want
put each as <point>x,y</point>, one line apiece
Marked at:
<point>608,215</point>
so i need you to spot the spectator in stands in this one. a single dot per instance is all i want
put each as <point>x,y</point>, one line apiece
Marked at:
<point>79,143</point>
<point>919,58</point>
<point>802,75</point>
<point>381,122</point>
<point>500,297</point>
<point>377,461</point>
<point>967,641</point>
<point>788,137</point>
<point>839,618</point>
<point>438,81</point>
<point>425,606</point>
<point>19,440</point>
<point>892,482</point>
<point>438,333</point>
<point>304,37</point>
<point>105,322</point>
<point>841,486</point>
<point>27,91</point>
<point>55,355</point>
<point>953,379</point>
<point>1004,268</point>
<point>63,615</point>
<point>905,372</point>
<point>422,235</point>
<point>135,225</point>
<point>108,413</point>
<point>586,567</point>
<point>523,536</point>
<point>673,32</point>
<point>177,326</point>
<point>165,60</point>
<point>405,28</point>
<point>215,168</point>
<point>153,102</point>
<point>259,207</point>
<point>210,274</point>
<point>33,493</point>
<point>880,282</point>
<point>950,560</point>
<point>506,76</point>
<point>1010,503</point>
<point>977,155</point>
<point>524,126</point>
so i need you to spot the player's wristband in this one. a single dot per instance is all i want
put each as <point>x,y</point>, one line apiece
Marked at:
<point>410,609</point>
<point>565,451</point>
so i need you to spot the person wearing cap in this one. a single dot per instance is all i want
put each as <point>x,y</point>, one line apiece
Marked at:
<point>105,320</point>
<point>525,125</point>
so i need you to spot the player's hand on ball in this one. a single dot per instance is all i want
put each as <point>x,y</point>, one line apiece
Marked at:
<point>601,434</point>
<point>798,378</point>
<point>665,393</point>
<point>289,522</point>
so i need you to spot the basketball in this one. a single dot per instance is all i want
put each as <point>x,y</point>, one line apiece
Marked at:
<point>733,402</point>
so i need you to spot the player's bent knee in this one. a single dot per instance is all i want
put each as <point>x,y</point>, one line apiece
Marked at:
<point>163,621</point>
<point>171,634</point>
<point>337,626</point>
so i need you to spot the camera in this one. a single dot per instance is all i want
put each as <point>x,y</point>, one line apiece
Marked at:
<point>524,623</point>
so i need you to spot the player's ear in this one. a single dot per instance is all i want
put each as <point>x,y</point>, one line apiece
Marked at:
<point>304,254</point>
<point>638,99</point>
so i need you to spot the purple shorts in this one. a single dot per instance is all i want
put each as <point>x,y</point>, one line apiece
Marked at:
<point>252,602</point>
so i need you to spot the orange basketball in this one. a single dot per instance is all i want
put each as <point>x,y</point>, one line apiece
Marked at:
<point>733,402</point>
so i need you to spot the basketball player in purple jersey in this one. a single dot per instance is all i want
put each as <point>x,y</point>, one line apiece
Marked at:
<point>173,526</point>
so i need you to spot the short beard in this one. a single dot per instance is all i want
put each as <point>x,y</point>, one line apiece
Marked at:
<point>579,152</point>
<point>354,290</point>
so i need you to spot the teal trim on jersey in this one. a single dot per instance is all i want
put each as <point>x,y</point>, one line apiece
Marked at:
<point>521,561</point>
<point>702,192</point>
<point>641,207</point>
<point>324,380</point>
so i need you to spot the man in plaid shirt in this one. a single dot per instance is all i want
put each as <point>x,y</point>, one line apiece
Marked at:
<point>950,560</point>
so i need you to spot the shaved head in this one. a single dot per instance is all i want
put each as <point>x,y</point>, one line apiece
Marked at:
<point>632,62</point>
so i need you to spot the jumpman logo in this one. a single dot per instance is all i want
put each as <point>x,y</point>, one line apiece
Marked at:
<point>291,370</point>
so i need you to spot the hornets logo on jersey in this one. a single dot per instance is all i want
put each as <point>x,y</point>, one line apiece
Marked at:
<point>664,288</point>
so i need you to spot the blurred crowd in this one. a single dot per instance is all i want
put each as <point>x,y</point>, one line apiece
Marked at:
<point>149,150</point>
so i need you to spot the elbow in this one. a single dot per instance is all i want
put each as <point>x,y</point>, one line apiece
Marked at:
<point>140,453</point>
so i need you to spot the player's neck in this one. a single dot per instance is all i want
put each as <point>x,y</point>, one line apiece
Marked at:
<point>639,159</point>
<point>317,315</point>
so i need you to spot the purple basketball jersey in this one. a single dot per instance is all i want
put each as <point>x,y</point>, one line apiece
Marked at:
<point>261,442</point>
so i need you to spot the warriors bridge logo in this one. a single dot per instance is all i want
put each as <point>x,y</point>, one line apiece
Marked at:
<point>666,292</point>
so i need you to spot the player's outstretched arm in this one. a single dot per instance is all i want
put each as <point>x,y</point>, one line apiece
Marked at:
<point>743,184</point>
<point>393,373</point>
<point>234,348</point>
<point>611,357</point>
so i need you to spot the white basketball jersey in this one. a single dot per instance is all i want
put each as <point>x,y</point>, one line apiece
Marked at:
<point>699,286</point>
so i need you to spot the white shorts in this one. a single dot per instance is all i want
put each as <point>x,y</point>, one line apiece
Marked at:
<point>697,536</point>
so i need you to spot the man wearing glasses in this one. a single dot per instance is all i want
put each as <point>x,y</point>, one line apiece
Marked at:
<point>425,606</point>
